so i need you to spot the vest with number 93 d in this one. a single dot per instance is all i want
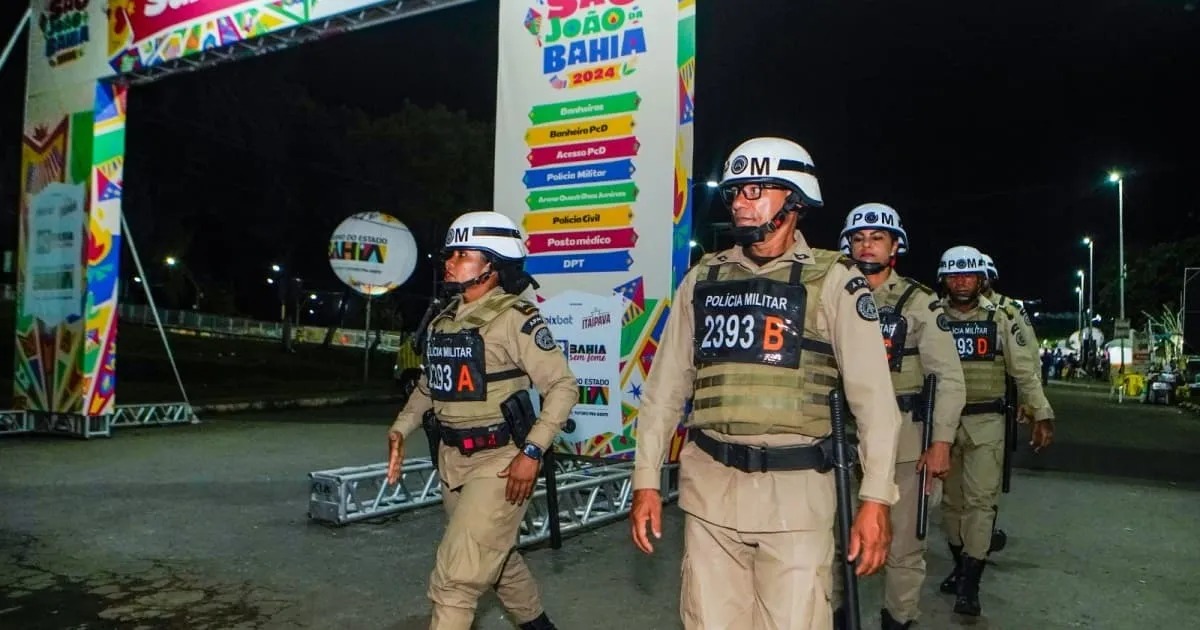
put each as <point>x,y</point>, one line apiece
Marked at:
<point>978,345</point>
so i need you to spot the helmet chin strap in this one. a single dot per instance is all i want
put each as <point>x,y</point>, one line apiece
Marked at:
<point>745,235</point>
<point>872,268</point>
<point>456,288</point>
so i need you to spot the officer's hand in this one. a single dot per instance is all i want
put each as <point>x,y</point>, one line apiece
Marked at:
<point>647,507</point>
<point>522,476</point>
<point>870,537</point>
<point>395,457</point>
<point>937,458</point>
<point>1043,434</point>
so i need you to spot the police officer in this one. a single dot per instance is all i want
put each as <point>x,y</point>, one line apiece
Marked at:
<point>990,345</point>
<point>918,342</point>
<point>486,346</point>
<point>755,337</point>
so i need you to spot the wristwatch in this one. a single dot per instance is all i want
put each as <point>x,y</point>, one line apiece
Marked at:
<point>532,451</point>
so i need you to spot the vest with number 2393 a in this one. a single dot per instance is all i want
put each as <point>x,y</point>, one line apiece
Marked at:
<point>456,362</point>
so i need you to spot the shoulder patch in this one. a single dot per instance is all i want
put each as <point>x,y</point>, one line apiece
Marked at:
<point>1018,334</point>
<point>531,323</point>
<point>866,307</point>
<point>943,322</point>
<point>525,308</point>
<point>544,339</point>
<point>856,284</point>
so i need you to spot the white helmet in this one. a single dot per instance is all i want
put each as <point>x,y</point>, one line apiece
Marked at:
<point>992,272</point>
<point>486,231</point>
<point>961,259</point>
<point>874,216</point>
<point>774,160</point>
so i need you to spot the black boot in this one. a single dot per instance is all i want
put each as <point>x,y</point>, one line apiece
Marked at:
<point>541,623</point>
<point>839,619</point>
<point>949,585</point>
<point>888,622</point>
<point>966,601</point>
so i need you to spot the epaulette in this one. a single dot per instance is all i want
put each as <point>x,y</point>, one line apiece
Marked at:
<point>921,287</point>
<point>525,307</point>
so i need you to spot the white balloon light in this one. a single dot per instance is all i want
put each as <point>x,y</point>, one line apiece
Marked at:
<point>372,253</point>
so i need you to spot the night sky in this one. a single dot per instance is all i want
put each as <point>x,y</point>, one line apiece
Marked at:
<point>991,124</point>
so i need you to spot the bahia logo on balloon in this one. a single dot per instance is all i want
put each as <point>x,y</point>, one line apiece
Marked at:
<point>372,253</point>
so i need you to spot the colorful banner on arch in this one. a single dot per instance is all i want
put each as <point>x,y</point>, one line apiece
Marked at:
<point>72,163</point>
<point>593,159</point>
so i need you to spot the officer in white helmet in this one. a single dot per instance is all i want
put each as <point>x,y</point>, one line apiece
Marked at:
<point>917,337</point>
<point>483,351</point>
<point>991,350</point>
<point>755,338</point>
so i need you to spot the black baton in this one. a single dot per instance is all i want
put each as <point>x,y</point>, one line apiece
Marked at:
<point>926,441</point>
<point>845,509</point>
<point>1010,431</point>
<point>548,469</point>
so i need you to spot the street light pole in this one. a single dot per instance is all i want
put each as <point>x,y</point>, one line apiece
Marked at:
<point>1120,181</point>
<point>1188,273</point>
<point>1091,245</point>
<point>1079,290</point>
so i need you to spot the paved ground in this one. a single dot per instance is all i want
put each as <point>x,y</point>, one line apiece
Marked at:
<point>205,527</point>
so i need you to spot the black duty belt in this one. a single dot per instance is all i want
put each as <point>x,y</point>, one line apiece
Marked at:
<point>747,458</point>
<point>475,439</point>
<point>992,406</point>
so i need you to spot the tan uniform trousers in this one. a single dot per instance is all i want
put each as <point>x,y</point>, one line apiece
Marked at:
<point>904,571</point>
<point>971,492</point>
<point>755,581</point>
<point>478,552</point>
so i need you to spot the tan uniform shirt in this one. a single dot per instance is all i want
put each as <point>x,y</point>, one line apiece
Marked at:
<point>510,341</point>
<point>929,333</point>
<point>1020,365</point>
<point>773,502</point>
<point>1021,321</point>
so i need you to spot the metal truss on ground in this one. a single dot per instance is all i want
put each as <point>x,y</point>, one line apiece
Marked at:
<point>78,425</point>
<point>153,414</point>
<point>354,493</point>
<point>589,494</point>
<point>381,13</point>
<point>15,422</point>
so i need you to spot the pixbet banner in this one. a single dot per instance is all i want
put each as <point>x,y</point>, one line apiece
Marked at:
<point>593,155</point>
